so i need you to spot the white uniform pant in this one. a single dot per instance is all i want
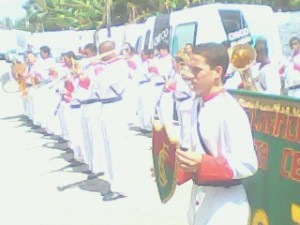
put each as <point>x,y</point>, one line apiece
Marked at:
<point>165,108</point>
<point>219,205</point>
<point>62,120</point>
<point>30,104</point>
<point>130,100</point>
<point>92,136</point>
<point>115,136</point>
<point>74,131</point>
<point>50,120</point>
<point>34,100</point>
<point>26,106</point>
<point>145,105</point>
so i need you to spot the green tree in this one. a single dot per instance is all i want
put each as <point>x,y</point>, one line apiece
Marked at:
<point>91,14</point>
<point>64,14</point>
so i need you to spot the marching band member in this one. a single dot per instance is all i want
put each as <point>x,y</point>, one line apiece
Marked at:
<point>184,99</point>
<point>69,109</point>
<point>269,80</point>
<point>134,64</point>
<point>49,120</point>
<point>37,74</point>
<point>74,112</point>
<point>162,69</point>
<point>219,156</point>
<point>145,98</point>
<point>293,69</point>
<point>108,85</point>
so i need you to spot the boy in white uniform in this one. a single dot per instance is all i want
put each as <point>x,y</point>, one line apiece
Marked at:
<point>222,150</point>
<point>268,72</point>
<point>293,69</point>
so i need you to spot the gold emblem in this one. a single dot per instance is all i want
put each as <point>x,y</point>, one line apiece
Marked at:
<point>260,218</point>
<point>162,157</point>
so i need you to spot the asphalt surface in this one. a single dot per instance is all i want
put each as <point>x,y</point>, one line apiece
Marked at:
<point>41,185</point>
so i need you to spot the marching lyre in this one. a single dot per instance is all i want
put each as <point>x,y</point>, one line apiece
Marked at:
<point>18,71</point>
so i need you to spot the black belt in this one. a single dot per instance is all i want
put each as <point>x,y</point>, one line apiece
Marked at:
<point>110,100</point>
<point>144,81</point>
<point>89,101</point>
<point>183,98</point>
<point>75,106</point>
<point>159,84</point>
<point>92,101</point>
<point>295,87</point>
<point>227,183</point>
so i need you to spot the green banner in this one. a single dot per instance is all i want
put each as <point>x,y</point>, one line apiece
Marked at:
<point>274,191</point>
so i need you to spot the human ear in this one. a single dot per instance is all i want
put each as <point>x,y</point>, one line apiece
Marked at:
<point>218,71</point>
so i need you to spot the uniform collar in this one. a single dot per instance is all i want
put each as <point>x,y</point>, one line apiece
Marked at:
<point>212,95</point>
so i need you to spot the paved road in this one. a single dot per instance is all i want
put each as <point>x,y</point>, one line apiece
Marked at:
<point>38,186</point>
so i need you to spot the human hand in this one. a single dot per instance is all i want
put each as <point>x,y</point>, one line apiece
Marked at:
<point>188,160</point>
<point>153,173</point>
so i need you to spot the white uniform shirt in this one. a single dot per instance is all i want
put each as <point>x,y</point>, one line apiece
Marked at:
<point>164,66</point>
<point>222,121</point>
<point>270,79</point>
<point>183,92</point>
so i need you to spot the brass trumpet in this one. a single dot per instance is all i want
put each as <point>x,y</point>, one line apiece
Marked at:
<point>116,52</point>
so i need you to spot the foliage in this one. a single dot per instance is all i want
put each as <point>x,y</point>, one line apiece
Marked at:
<point>91,14</point>
<point>64,14</point>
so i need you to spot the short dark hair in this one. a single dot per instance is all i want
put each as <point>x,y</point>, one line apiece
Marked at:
<point>45,49</point>
<point>178,59</point>
<point>215,55</point>
<point>162,45</point>
<point>92,47</point>
<point>294,39</point>
<point>261,46</point>
<point>148,51</point>
<point>69,54</point>
<point>261,41</point>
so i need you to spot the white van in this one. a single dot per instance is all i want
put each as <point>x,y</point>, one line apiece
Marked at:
<point>236,23</point>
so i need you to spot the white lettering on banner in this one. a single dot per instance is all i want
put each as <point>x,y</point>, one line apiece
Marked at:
<point>238,34</point>
<point>164,35</point>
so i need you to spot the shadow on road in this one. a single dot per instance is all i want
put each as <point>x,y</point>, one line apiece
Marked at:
<point>140,132</point>
<point>73,166</point>
<point>93,185</point>
<point>21,117</point>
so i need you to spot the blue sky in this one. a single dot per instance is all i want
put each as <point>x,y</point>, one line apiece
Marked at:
<point>12,8</point>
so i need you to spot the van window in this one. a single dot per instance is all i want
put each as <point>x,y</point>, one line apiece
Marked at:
<point>232,20</point>
<point>184,34</point>
<point>138,44</point>
<point>147,39</point>
<point>235,26</point>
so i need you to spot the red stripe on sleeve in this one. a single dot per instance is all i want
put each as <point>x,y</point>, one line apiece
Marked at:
<point>183,176</point>
<point>69,86</point>
<point>213,169</point>
<point>85,83</point>
<point>153,69</point>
